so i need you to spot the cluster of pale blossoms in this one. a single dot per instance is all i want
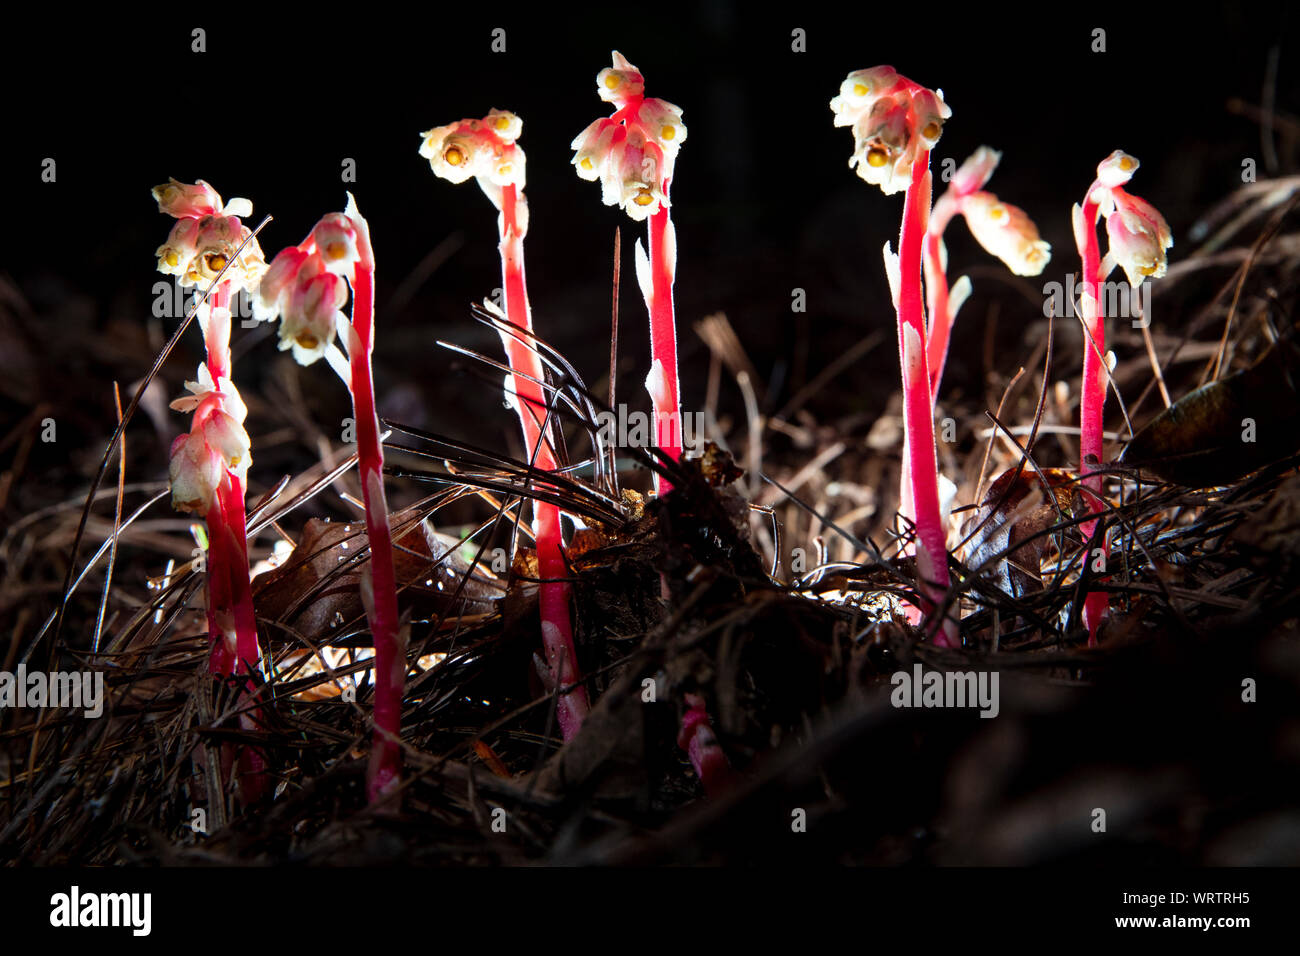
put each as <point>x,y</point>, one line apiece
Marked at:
<point>1002,229</point>
<point>1139,236</point>
<point>215,444</point>
<point>306,287</point>
<point>208,238</point>
<point>486,149</point>
<point>894,120</point>
<point>631,152</point>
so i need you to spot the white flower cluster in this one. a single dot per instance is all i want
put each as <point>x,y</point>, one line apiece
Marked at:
<point>893,121</point>
<point>1139,236</point>
<point>1004,230</point>
<point>486,149</point>
<point>206,236</point>
<point>306,288</point>
<point>631,153</point>
<point>216,443</point>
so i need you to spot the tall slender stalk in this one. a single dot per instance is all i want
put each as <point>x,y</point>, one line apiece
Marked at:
<point>918,407</point>
<point>663,382</point>
<point>553,591</point>
<point>379,582</point>
<point>1139,238</point>
<point>1092,400</point>
<point>487,150</point>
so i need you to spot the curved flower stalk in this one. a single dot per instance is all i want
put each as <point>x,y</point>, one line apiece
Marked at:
<point>632,154</point>
<point>306,288</point>
<point>487,149</point>
<point>896,123</point>
<point>1004,231</point>
<point>209,465</point>
<point>1139,240</point>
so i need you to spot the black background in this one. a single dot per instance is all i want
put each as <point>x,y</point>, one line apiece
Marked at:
<point>764,201</point>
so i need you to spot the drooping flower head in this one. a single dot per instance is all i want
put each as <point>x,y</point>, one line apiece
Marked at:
<point>215,444</point>
<point>633,152</point>
<point>1007,232</point>
<point>206,237</point>
<point>893,121</point>
<point>1139,236</point>
<point>1004,230</point>
<point>306,287</point>
<point>486,149</point>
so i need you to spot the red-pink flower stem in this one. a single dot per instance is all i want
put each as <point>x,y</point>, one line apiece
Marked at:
<point>918,409</point>
<point>663,343</point>
<point>230,594</point>
<point>385,770</point>
<point>1092,400</point>
<point>936,292</point>
<point>553,591</point>
<point>701,745</point>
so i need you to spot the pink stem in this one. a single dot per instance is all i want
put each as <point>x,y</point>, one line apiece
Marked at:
<point>701,745</point>
<point>1092,400</point>
<point>918,409</point>
<point>230,594</point>
<point>936,291</point>
<point>553,591</point>
<point>663,344</point>
<point>385,768</point>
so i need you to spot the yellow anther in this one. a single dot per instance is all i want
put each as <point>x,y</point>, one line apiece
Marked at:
<point>586,162</point>
<point>877,157</point>
<point>861,89</point>
<point>307,340</point>
<point>931,131</point>
<point>612,81</point>
<point>215,261</point>
<point>1149,270</point>
<point>997,212</point>
<point>503,122</point>
<point>454,156</point>
<point>667,133</point>
<point>1126,163</point>
<point>644,197</point>
<point>171,258</point>
<point>336,250</point>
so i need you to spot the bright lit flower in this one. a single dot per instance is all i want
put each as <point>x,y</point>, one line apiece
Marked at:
<point>194,472</point>
<point>185,201</point>
<point>1116,169</point>
<point>1139,237</point>
<point>893,120</point>
<point>336,242</point>
<point>1006,232</point>
<point>860,89</point>
<point>485,149</point>
<point>176,254</point>
<point>268,303</point>
<point>206,236</point>
<point>506,126</point>
<point>312,314</point>
<point>217,443</point>
<point>621,82</point>
<point>204,391</point>
<point>632,153</point>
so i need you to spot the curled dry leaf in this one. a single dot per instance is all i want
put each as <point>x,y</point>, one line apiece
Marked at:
<point>1227,429</point>
<point>1011,520</point>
